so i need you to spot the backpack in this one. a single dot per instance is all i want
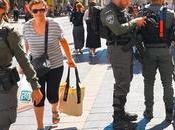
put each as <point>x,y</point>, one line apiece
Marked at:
<point>154,31</point>
<point>97,25</point>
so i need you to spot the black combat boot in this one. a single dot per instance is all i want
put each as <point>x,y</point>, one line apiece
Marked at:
<point>169,115</point>
<point>120,124</point>
<point>129,117</point>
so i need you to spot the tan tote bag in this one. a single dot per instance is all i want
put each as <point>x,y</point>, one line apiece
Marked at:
<point>71,98</point>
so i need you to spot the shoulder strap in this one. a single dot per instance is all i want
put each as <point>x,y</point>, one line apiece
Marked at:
<point>46,37</point>
<point>162,22</point>
<point>78,89</point>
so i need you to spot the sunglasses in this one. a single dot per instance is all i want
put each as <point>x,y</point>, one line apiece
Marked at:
<point>38,10</point>
<point>2,6</point>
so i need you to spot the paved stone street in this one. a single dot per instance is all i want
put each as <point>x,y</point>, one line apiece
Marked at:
<point>97,77</point>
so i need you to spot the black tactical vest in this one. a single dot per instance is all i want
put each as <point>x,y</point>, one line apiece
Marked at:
<point>122,17</point>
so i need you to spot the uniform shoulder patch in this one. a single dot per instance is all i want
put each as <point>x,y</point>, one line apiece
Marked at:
<point>110,19</point>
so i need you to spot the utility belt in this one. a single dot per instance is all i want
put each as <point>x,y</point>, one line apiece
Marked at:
<point>8,78</point>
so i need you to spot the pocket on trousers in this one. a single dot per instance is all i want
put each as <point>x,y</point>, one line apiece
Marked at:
<point>6,83</point>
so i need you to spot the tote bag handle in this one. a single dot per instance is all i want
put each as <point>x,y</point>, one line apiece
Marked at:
<point>78,90</point>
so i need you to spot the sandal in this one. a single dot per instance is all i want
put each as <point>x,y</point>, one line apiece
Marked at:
<point>55,117</point>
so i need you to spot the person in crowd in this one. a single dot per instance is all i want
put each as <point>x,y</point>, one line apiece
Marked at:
<point>74,4</point>
<point>115,18</point>
<point>93,39</point>
<point>74,7</point>
<point>69,8</point>
<point>171,5</point>
<point>10,46</point>
<point>34,35</point>
<point>157,56</point>
<point>136,9</point>
<point>78,29</point>
<point>15,12</point>
<point>27,12</point>
<point>133,12</point>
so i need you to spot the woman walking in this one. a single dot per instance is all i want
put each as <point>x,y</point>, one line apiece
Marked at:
<point>34,35</point>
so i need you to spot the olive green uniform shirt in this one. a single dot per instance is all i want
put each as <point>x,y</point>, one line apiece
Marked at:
<point>6,56</point>
<point>109,18</point>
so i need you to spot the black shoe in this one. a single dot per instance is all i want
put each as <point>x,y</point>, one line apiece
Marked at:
<point>148,114</point>
<point>123,125</point>
<point>130,117</point>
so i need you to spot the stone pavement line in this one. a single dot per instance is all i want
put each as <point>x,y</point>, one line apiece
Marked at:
<point>24,106</point>
<point>92,86</point>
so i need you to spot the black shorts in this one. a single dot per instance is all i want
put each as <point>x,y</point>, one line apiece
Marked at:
<point>50,85</point>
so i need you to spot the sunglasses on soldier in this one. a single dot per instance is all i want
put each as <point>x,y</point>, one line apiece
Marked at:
<point>38,10</point>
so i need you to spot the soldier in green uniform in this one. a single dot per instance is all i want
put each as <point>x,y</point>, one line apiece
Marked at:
<point>10,46</point>
<point>116,19</point>
<point>157,56</point>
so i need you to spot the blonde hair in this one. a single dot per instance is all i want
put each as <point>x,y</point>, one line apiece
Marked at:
<point>79,7</point>
<point>34,2</point>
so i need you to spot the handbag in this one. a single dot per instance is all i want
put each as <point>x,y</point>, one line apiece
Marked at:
<point>71,98</point>
<point>41,64</point>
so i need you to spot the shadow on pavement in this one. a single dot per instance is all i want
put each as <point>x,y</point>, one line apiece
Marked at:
<point>160,126</point>
<point>109,127</point>
<point>49,127</point>
<point>54,128</point>
<point>141,125</point>
<point>70,128</point>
